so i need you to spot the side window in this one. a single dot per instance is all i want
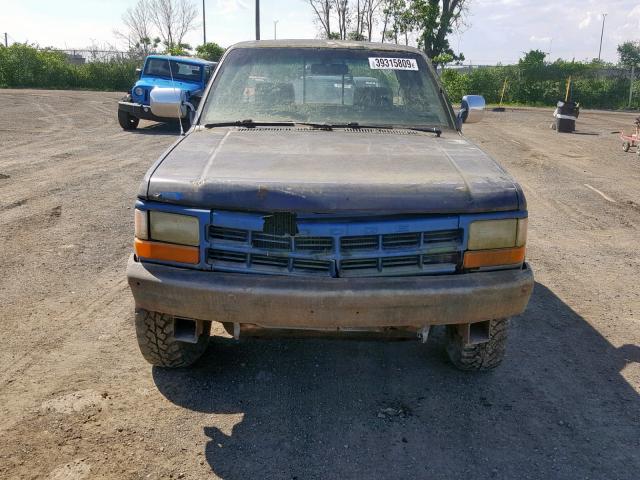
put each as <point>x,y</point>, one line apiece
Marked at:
<point>207,73</point>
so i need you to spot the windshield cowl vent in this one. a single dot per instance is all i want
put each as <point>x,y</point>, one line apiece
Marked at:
<point>379,131</point>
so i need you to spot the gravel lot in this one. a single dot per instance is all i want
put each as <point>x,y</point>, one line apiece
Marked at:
<point>78,401</point>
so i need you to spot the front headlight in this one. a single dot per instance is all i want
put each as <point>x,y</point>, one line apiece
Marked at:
<point>492,234</point>
<point>174,228</point>
<point>496,243</point>
<point>168,237</point>
<point>138,91</point>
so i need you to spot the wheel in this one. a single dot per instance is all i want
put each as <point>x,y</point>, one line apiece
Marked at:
<point>127,121</point>
<point>155,339</point>
<point>483,356</point>
<point>626,146</point>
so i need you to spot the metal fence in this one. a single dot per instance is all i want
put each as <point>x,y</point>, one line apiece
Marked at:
<point>80,56</point>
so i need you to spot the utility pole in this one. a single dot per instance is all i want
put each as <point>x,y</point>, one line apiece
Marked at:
<point>257,19</point>
<point>6,40</point>
<point>604,16</point>
<point>204,23</point>
<point>633,72</point>
<point>275,31</point>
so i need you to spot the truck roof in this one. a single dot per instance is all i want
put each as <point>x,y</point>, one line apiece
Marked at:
<point>194,60</point>
<point>330,44</point>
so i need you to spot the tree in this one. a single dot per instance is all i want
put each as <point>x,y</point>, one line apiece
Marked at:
<point>173,19</point>
<point>397,21</point>
<point>179,49</point>
<point>341,8</point>
<point>364,17</point>
<point>629,54</point>
<point>532,65</point>
<point>322,9</point>
<point>434,20</point>
<point>371,8</point>
<point>359,18</point>
<point>139,34</point>
<point>210,51</point>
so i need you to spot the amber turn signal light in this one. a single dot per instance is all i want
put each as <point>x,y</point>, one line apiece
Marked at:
<point>494,258</point>
<point>166,251</point>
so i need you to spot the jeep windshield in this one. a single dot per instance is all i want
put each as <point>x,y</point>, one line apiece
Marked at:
<point>326,86</point>
<point>159,67</point>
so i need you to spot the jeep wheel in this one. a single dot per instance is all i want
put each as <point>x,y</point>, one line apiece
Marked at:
<point>158,346</point>
<point>626,146</point>
<point>482,356</point>
<point>127,121</point>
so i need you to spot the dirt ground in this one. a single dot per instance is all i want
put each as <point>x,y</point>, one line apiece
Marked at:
<point>77,401</point>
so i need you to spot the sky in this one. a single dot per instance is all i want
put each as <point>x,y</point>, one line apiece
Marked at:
<point>496,31</point>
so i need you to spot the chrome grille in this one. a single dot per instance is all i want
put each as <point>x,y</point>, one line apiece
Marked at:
<point>270,242</point>
<point>368,242</point>
<point>227,256</point>
<point>408,261</point>
<point>401,240</point>
<point>267,263</point>
<point>412,249</point>
<point>229,234</point>
<point>313,244</point>
<point>358,264</point>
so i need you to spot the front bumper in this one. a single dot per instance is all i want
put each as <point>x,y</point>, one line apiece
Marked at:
<point>326,303</point>
<point>140,111</point>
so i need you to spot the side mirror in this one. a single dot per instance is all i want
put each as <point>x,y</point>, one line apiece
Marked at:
<point>139,72</point>
<point>168,102</point>
<point>471,110</point>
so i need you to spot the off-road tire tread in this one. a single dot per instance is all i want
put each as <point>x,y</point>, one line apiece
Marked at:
<point>484,356</point>
<point>157,345</point>
<point>127,121</point>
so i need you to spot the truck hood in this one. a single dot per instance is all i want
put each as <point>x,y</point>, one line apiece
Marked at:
<point>314,171</point>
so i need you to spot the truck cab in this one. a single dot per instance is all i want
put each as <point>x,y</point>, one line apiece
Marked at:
<point>326,186</point>
<point>186,76</point>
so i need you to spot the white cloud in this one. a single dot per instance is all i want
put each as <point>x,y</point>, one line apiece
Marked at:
<point>536,39</point>
<point>586,21</point>
<point>635,15</point>
<point>225,7</point>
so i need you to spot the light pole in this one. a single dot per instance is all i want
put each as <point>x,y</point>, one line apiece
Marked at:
<point>275,30</point>
<point>257,19</point>
<point>604,16</point>
<point>204,23</point>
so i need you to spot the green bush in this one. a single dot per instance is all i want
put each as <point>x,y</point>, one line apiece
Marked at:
<point>533,82</point>
<point>530,82</point>
<point>25,66</point>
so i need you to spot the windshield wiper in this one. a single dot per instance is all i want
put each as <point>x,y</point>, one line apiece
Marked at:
<point>435,130</point>
<point>249,124</point>
<point>361,125</point>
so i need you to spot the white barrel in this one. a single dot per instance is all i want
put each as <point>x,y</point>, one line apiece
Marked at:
<point>168,102</point>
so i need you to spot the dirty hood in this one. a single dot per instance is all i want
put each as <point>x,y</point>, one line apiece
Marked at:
<point>313,171</point>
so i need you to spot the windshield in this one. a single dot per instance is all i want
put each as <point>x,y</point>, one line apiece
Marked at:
<point>159,67</point>
<point>333,86</point>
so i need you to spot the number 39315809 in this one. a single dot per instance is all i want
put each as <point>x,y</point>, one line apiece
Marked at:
<point>385,63</point>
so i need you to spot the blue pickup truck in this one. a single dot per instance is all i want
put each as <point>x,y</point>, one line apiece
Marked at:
<point>326,186</point>
<point>164,77</point>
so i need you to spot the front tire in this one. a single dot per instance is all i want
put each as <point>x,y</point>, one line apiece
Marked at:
<point>482,356</point>
<point>127,121</point>
<point>626,146</point>
<point>158,346</point>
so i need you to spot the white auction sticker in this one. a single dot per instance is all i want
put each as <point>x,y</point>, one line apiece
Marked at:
<point>384,63</point>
